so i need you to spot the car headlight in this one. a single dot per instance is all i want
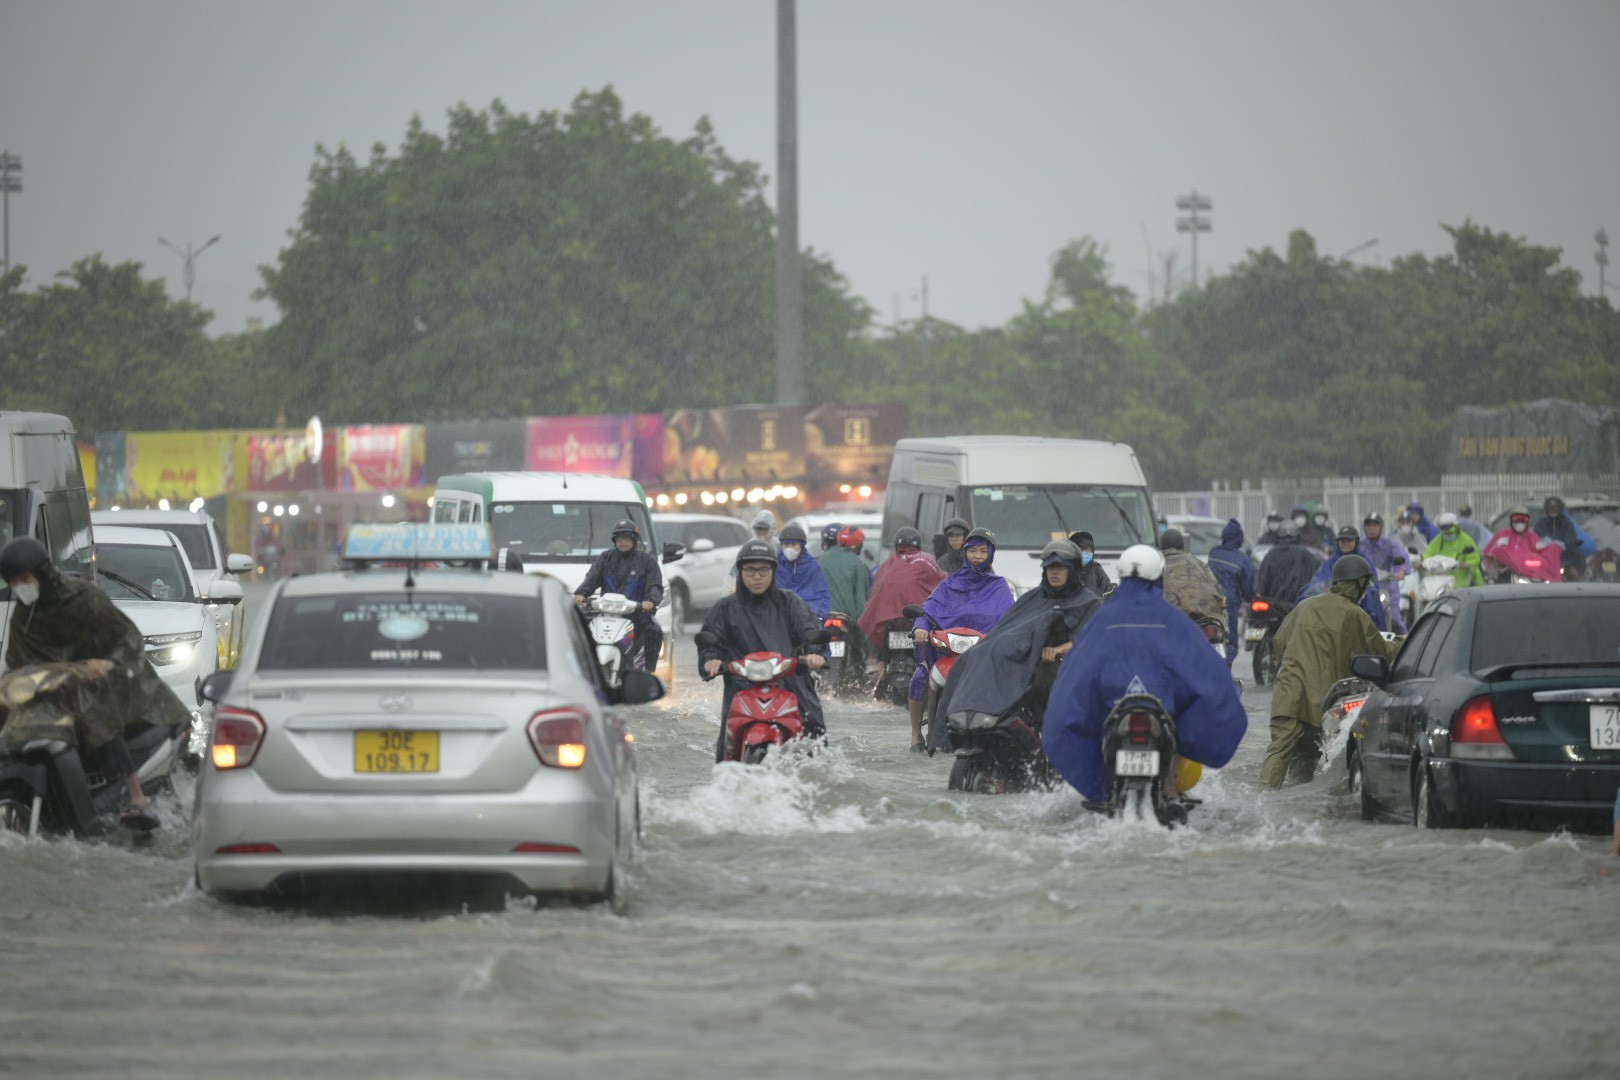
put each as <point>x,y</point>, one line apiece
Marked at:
<point>165,649</point>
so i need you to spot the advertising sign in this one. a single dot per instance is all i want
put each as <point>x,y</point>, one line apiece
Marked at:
<point>582,444</point>
<point>1547,436</point>
<point>380,457</point>
<point>285,460</point>
<point>745,443</point>
<point>853,442</point>
<point>178,465</point>
<point>475,446</point>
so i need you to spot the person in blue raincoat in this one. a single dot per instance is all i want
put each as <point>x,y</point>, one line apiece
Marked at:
<point>975,597</point>
<point>1139,642</point>
<point>798,572</point>
<point>1348,543</point>
<point>1235,571</point>
<point>1421,522</point>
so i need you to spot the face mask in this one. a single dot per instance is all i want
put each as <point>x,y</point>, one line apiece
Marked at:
<point>1085,558</point>
<point>1520,526</point>
<point>790,552</point>
<point>25,594</point>
<point>1450,530</point>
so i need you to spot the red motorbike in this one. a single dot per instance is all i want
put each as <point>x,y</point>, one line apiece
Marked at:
<point>1522,565</point>
<point>763,712</point>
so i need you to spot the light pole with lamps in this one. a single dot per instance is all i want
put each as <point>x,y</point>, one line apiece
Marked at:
<point>10,180</point>
<point>1602,239</point>
<point>1194,224</point>
<point>189,274</point>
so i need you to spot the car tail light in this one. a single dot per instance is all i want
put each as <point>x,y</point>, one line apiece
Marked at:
<point>248,849</point>
<point>546,849</point>
<point>1259,607</point>
<point>1474,733</point>
<point>558,737</point>
<point>237,735</point>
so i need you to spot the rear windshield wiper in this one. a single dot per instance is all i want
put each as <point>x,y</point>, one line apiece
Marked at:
<point>125,582</point>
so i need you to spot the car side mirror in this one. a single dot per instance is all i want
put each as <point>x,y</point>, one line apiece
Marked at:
<point>700,545</point>
<point>673,551</point>
<point>912,611</point>
<point>238,564</point>
<point>637,687</point>
<point>217,685</point>
<point>225,592</point>
<point>1375,669</point>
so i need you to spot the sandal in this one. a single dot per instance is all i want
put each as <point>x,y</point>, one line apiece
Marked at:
<point>139,819</point>
<point>919,748</point>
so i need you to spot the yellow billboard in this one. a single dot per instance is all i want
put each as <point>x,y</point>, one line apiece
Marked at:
<point>178,465</point>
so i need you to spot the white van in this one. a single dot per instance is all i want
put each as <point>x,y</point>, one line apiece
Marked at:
<point>1028,491</point>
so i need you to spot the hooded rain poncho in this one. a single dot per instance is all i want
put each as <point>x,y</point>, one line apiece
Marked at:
<point>1316,642</point>
<point>908,576</point>
<point>775,621</point>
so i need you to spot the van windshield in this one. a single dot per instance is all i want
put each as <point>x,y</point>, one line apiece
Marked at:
<point>13,505</point>
<point>1031,516</point>
<point>563,531</point>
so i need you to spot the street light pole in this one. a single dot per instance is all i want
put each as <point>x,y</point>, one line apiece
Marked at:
<point>1193,223</point>
<point>788,313</point>
<point>10,180</point>
<point>189,274</point>
<point>1602,239</point>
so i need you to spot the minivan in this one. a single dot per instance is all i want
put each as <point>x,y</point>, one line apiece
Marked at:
<point>1027,490</point>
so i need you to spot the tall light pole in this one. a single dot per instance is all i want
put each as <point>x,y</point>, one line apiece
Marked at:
<point>788,328</point>
<point>189,274</point>
<point>1193,223</point>
<point>10,180</point>
<point>1602,239</point>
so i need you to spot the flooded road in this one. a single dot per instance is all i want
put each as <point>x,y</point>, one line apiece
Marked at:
<point>849,917</point>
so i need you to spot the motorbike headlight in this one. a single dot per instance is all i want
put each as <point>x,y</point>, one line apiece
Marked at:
<point>166,649</point>
<point>759,670</point>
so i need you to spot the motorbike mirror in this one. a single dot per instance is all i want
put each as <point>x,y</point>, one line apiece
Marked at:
<point>912,611</point>
<point>224,592</point>
<point>1375,669</point>
<point>638,687</point>
<point>215,686</point>
<point>818,637</point>
<point>673,551</point>
<point>705,639</point>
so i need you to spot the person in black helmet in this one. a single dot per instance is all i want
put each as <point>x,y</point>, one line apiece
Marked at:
<point>1554,524</point>
<point>1092,575</point>
<point>956,533</point>
<point>61,620</point>
<point>759,617</point>
<point>1286,570</point>
<point>634,574</point>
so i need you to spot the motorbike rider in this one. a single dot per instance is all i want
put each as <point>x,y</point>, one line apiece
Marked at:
<point>635,575</point>
<point>799,572</point>
<point>764,526</point>
<point>1092,576</point>
<point>1317,537</point>
<point>1287,569</point>
<point>1555,524</point>
<point>1018,659</point>
<point>1187,583</point>
<point>1234,572</point>
<point>848,586</point>
<point>908,576</point>
<point>1451,541</point>
<point>1408,536</point>
<point>759,617</point>
<point>1426,528</point>
<point>1466,522</point>
<point>1139,642</point>
<point>1347,544</point>
<point>62,620</point>
<point>1389,561</point>
<point>1504,552</point>
<point>1316,642</point>
<point>956,531</point>
<point>1268,535</point>
<point>975,597</point>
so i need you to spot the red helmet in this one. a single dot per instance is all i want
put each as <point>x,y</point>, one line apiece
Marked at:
<point>851,537</point>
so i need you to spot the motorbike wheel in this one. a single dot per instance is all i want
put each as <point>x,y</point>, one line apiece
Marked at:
<point>964,775</point>
<point>755,754</point>
<point>15,813</point>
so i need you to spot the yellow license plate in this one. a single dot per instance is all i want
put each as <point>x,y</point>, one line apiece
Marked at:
<point>396,751</point>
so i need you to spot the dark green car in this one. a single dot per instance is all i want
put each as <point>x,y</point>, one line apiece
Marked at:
<point>1502,707</point>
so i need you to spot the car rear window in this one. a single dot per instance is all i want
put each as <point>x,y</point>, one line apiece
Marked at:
<point>1547,629</point>
<point>387,631</point>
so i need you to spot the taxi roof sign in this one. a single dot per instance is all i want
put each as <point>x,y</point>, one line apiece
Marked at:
<point>409,542</point>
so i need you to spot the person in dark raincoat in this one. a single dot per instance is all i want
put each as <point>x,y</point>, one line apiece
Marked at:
<point>797,571</point>
<point>1555,524</point>
<point>1348,542</point>
<point>635,575</point>
<point>1233,569</point>
<point>1316,642</point>
<point>1139,642</point>
<point>1092,576</point>
<point>1268,535</point>
<point>956,531</point>
<point>1286,570</point>
<point>759,617</point>
<point>63,621</point>
<point>975,597</point>
<point>1420,521</point>
<point>1018,660</point>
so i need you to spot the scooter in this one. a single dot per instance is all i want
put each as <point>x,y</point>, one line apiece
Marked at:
<point>948,644</point>
<point>897,659</point>
<point>1520,567</point>
<point>46,789</point>
<point>846,659</point>
<point>1435,580</point>
<point>1215,633</point>
<point>763,712</point>
<point>613,632</point>
<point>1259,636</point>
<point>1139,750</point>
<point>1342,735</point>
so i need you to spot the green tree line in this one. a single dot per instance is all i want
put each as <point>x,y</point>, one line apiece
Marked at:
<point>582,261</point>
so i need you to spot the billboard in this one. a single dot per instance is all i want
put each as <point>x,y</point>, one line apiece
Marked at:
<point>744,443</point>
<point>474,446</point>
<point>285,460</point>
<point>603,444</point>
<point>853,442</point>
<point>381,457</point>
<point>177,465</point>
<point>1546,436</point>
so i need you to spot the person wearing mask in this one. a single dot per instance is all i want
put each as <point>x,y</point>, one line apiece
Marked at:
<point>798,572</point>
<point>1451,541</point>
<point>1407,535</point>
<point>1286,570</point>
<point>1268,535</point>
<point>1018,659</point>
<point>1516,549</point>
<point>1139,642</point>
<point>62,620</point>
<point>975,597</point>
<point>1426,528</point>
<point>764,526</point>
<point>1187,583</point>
<point>1347,543</point>
<point>634,574</point>
<point>1390,562</point>
<point>1092,576</point>
<point>1554,524</point>
<point>1477,532</point>
<point>1316,642</point>
<point>1317,537</point>
<point>956,531</point>
<point>1234,572</point>
<point>759,617</point>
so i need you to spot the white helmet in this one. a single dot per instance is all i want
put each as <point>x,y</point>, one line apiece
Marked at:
<point>1446,520</point>
<point>1141,561</point>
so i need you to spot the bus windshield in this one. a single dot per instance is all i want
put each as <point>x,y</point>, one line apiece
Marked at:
<point>1031,516</point>
<point>563,531</point>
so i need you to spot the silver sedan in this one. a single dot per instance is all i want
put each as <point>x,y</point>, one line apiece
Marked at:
<point>450,724</point>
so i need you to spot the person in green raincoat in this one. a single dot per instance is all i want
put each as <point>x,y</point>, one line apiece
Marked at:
<point>1316,642</point>
<point>1452,542</point>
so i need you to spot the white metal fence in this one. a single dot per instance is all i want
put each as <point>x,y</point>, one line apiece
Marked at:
<point>1349,499</point>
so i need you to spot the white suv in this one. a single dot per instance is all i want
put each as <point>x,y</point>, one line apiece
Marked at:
<point>703,575</point>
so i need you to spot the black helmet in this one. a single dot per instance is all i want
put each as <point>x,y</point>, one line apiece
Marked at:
<point>1348,532</point>
<point>22,556</point>
<point>980,534</point>
<point>756,550</point>
<point>829,535</point>
<point>1172,540</point>
<point>1553,503</point>
<point>1288,530</point>
<point>792,534</point>
<point>957,523</point>
<point>1373,518</point>
<point>625,527</point>
<point>1352,568</point>
<point>1060,551</point>
<point>908,537</point>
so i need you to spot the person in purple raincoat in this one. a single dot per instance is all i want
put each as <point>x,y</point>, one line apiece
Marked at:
<point>975,597</point>
<point>1389,559</point>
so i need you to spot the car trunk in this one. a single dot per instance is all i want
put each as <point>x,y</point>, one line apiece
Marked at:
<point>1554,717</point>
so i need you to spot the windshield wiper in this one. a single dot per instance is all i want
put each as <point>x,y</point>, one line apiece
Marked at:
<point>1129,524</point>
<point>125,582</point>
<point>1066,530</point>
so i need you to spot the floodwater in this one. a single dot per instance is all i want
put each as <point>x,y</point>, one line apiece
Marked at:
<point>847,916</point>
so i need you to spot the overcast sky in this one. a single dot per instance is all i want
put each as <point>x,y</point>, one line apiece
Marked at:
<point>965,141</point>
